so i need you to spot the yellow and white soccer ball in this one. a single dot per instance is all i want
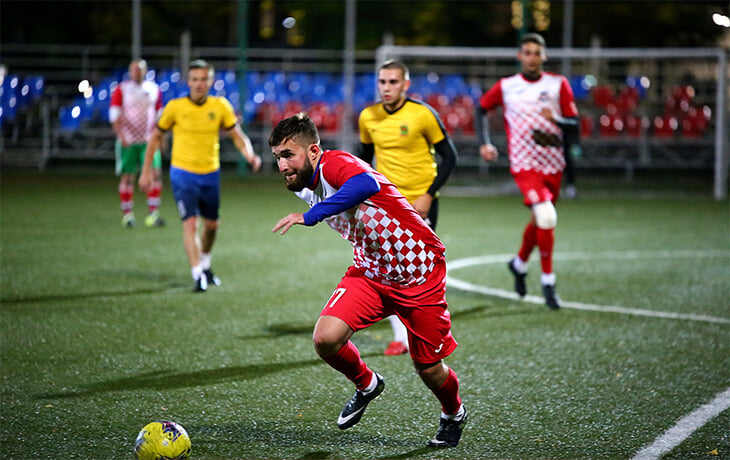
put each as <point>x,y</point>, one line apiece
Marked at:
<point>162,440</point>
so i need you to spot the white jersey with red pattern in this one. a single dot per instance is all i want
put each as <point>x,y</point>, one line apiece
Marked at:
<point>135,106</point>
<point>523,101</point>
<point>392,244</point>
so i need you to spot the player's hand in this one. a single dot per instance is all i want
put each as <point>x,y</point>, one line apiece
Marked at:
<point>488,152</point>
<point>422,204</point>
<point>145,181</point>
<point>547,113</point>
<point>288,222</point>
<point>255,163</point>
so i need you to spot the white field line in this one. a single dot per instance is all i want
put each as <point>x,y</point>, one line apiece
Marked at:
<point>687,424</point>
<point>684,428</point>
<point>503,258</point>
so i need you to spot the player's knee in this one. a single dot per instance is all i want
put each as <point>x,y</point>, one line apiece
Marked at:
<point>546,217</point>
<point>326,343</point>
<point>433,375</point>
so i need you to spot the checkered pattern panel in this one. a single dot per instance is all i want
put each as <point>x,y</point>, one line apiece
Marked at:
<point>524,153</point>
<point>138,111</point>
<point>384,250</point>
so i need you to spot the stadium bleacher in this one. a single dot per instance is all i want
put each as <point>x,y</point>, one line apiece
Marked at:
<point>606,111</point>
<point>17,93</point>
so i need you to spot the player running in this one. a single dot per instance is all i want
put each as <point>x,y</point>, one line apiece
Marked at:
<point>398,268</point>
<point>133,110</point>
<point>196,121</point>
<point>539,109</point>
<point>403,135</point>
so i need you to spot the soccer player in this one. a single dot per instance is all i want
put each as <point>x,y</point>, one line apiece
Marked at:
<point>196,121</point>
<point>398,268</point>
<point>539,109</point>
<point>135,105</point>
<point>403,135</point>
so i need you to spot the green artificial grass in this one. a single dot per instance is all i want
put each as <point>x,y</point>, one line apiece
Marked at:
<point>101,333</point>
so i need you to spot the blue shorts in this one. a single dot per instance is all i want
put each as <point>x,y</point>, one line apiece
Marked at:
<point>196,194</point>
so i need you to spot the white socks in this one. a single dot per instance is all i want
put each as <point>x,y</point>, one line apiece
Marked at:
<point>371,386</point>
<point>457,416</point>
<point>400,333</point>
<point>548,278</point>
<point>519,265</point>
<point>205,260</point>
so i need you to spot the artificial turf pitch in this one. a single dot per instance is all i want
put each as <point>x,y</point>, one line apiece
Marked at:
<point>101,333</point>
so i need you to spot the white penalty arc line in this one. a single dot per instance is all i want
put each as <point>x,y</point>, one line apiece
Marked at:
<point>684,428</point>
<point>687,424</point>
<point>609,255</point>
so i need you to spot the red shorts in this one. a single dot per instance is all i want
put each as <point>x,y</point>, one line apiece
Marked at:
<point>361,302</point>
<point>537,187</point>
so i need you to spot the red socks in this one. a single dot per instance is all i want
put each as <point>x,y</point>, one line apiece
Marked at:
<point>347,361</point>
<point>545,242</point>
<point>448,394</point>
<point>529,240</point>
<point>126,194</point>
<point>544,239</point>
<point>153,196</point>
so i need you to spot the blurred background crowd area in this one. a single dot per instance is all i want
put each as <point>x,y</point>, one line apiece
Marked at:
<point>648,91</point>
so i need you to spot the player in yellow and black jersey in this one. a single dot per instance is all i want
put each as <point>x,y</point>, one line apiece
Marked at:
<point>405,136</point>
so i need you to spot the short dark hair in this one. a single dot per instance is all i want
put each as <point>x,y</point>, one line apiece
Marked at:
<point>298,128</point>
<point>533,38</point>
<point>394,64</point>
<point>201,64</point>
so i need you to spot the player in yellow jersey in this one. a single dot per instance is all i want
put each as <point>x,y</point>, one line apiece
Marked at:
<point>403,135</point>
<point>196,121</point>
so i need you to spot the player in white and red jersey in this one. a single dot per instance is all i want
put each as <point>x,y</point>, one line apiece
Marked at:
<point>539,115</point>
<point>398,268</point>
<point>135,105</point>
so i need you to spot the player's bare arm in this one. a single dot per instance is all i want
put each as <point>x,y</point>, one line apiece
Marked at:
<point>288,222</point>
<point>146,177</point>
<point>422,204</point>
<point>243,144</point>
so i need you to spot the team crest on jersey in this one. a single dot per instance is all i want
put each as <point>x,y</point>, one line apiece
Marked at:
<point>544,97</point>
<point>403,130</point>
<point>211,116</point>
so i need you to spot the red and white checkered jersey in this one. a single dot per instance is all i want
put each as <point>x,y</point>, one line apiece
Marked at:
<point>523,101</point>
<point>392,244</point>
<point>135,106</point>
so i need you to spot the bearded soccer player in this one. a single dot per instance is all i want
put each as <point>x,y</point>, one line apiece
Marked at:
<point>539,114</point>
<point>196,121</point>
<point>403,135</point>
<point>398,268</point>
<point>133,110</point>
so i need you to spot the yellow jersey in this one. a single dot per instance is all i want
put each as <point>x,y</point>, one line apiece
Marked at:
<point>196,131</point>
<point>403,142</point>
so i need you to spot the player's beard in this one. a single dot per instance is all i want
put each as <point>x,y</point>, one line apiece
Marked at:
<point>304,177</point>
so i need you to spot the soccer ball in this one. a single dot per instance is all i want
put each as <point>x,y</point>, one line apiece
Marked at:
<point>162,440</point>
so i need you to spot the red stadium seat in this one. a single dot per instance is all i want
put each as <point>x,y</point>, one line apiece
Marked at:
<point>665,126</point>
<point>602,95</point>
<point>587,124</point>
<point>610,125</point>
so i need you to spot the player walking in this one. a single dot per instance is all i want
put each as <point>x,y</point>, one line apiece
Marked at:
<point>538,109</point>
<point>398,268</point>
<point>133,110</point>
<point>403,135</point>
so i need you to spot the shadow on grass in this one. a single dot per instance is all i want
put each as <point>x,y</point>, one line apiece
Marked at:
<point>168,380</point>
<point>164,283</point>
<point>267,438</point>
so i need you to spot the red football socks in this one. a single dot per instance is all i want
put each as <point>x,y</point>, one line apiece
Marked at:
<point>348,362</point>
